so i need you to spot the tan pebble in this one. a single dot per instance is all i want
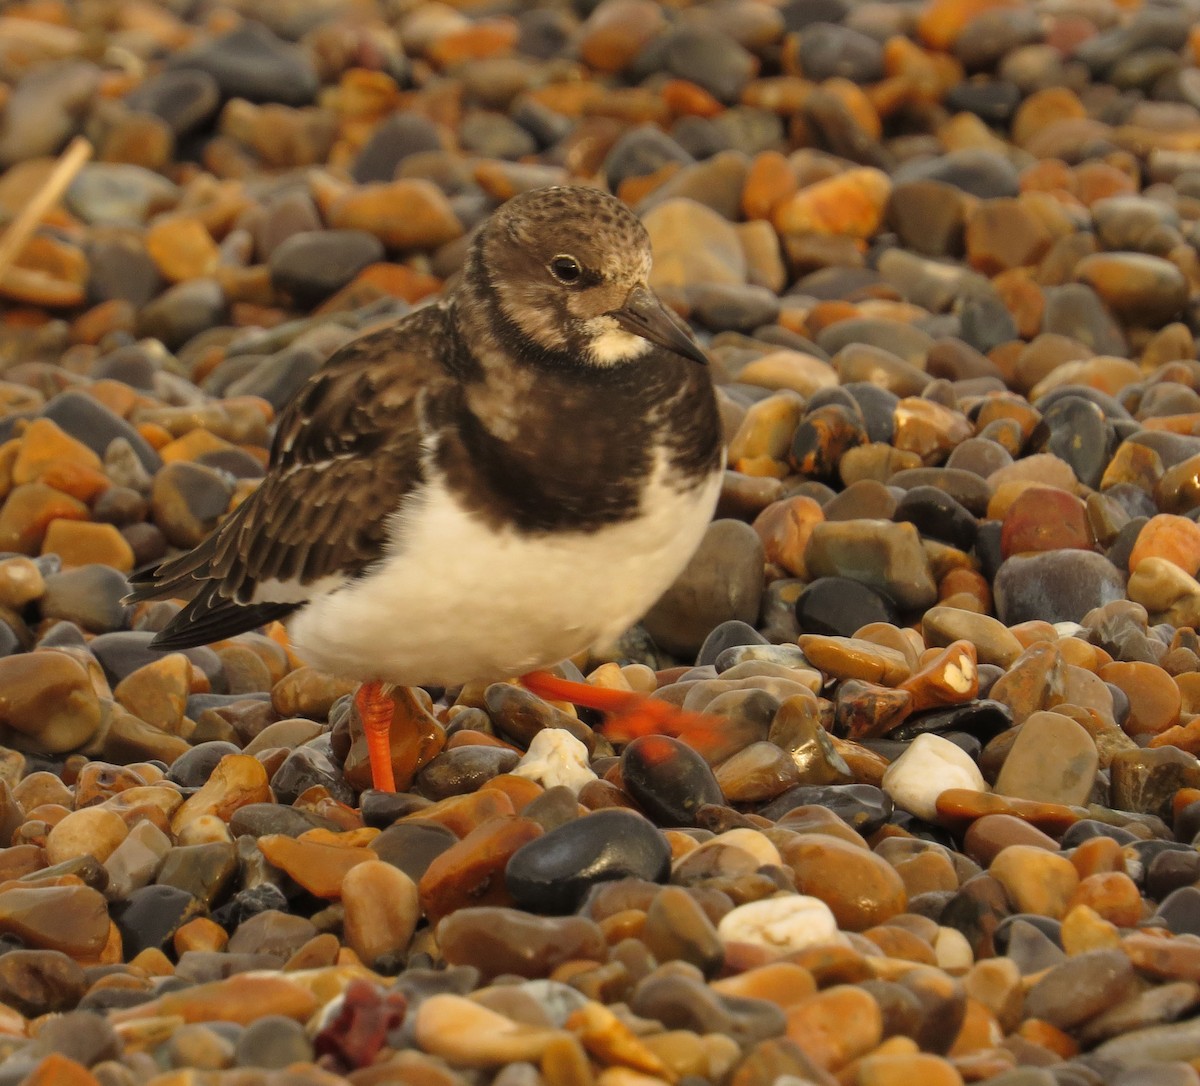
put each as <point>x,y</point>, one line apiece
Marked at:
<point>181,248</point>
<point>1035,880</point>
<point>1004,233</point>
<point>711,1056</point>
<point>906,1069</point>
<point>468,1035</point>
<point>795,371</point>
<point>157,692</point>
<point>996,983</point>
<point>692,243</point>
<point>200,933</point>
<point>1163,958</point>
<point>204,830</point>
<point>993,642</point>
<point>243,998</point>
<point>784,527</point>
<point>1113,895</point>
<point>320,868</point>
<point>928,429</point>
<point>92,831</point>
<point>1166,591</point>
<point>1154,698</point>
<point>850,204</point>
<point>1053,759</point>
<point>836,1026</point>
<point>49,698</point>
<point>952,951</point>
<point>44,444</point>
<point>851,658</point>
<point>1106,373</point>
<point>616,31</point>
<point>161,797</point>
<point>21,582</point>
<point>28,510</point>
<point>926,872</point>
<point>764,260</point>
<point>611,1041</point>
<point>623,1076</point>
<point>783,983</point>
<point>236,781</point>
<point>1084,929</point>
<point>859,887</point>
<point>40,787</point>
<point>309,693</point>
<point>406,214</point>
<point>73,919</point>
<point>381,909</point>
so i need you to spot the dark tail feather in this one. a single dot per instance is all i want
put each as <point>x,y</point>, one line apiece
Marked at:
<point>212,617</point>
<point>175,577</point>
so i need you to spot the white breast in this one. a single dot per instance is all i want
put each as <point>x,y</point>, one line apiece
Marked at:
<point>455,600</point>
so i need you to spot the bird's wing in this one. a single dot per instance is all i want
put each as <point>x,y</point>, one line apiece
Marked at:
<point>347,450</point>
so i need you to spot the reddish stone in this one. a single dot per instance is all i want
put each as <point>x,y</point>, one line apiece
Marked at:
<point>472,871</point>
<point>1045,519</point>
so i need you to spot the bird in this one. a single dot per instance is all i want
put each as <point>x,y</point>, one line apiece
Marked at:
<point>493,483</point>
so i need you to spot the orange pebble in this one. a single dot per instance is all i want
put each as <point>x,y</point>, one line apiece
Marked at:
<point>1113,895</point>
<point>1177,539</point>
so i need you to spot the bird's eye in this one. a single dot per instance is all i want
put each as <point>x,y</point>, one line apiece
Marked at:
<point>565,269</point>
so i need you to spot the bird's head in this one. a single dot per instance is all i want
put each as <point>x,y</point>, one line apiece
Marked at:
<point>567,270</point>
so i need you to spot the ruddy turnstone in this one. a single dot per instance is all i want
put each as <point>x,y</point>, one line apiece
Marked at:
<point>491,484</point>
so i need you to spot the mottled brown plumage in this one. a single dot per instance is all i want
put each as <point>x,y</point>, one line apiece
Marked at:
<point>523,396</point>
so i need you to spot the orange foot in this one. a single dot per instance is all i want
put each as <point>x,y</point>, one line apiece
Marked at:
<point>375,708</point>
<point>630,715</point>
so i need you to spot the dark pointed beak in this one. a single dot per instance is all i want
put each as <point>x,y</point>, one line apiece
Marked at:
<point>644,315</point>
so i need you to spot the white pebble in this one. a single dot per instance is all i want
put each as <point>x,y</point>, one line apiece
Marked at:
<point>757,846</point>
<point>924,771</point>
<point>952,951</point>
<point>556,757</point>
<point>786,923</point>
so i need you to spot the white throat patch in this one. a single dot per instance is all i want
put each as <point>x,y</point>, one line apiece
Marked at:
<point>610,344</point>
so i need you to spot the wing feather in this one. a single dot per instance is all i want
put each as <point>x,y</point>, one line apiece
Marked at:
<point>347,450</point>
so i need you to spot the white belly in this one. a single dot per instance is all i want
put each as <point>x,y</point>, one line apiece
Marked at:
<point>454,600</point>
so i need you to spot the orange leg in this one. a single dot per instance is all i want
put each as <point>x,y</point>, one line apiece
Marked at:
<point>375,707</point>
<point>630,714</point>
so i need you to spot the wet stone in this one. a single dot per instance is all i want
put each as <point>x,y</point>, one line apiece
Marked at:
<point>36,982</point>
<point>1045,519</point>
<point>938,515</point>
<point>149,917</point>
<point>252,63</point>
<point>722,581</point>
<point>681,1002</point>
<point>413,846</point>
<point>839,606</point>
<point>311,265</point>
<point>505,941</point>
<point>668,779</point>
<point>1054,760</point>
<point>1081,987</point>
<point>1147,780</point>
<point>463,770</point>
<point>1056,586</point>
<point>554,872</point>
<point>273,1042</point>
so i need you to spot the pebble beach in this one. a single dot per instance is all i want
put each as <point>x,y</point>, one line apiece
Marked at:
<point>942,255</point>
